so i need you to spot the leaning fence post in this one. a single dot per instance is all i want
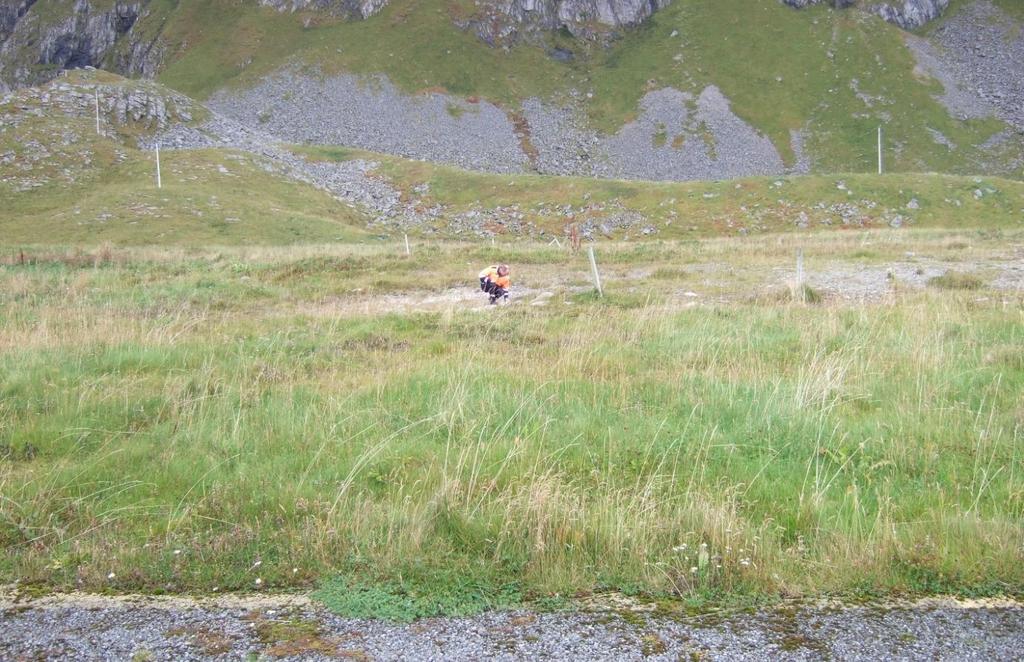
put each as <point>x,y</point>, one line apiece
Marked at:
<point>593,267</point>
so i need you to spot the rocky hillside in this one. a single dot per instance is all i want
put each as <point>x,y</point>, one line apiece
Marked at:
<point>40,37</point>
<point>224,182</point>
<point>606,88</point>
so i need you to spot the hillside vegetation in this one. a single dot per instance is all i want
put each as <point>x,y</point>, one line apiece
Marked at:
<point>65,183</point>
<point>60,181</point>
<point>694,209</point>
<point>835,75</point>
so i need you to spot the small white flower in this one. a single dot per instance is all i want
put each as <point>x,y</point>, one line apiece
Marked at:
<point>177,551</point>
<point>693,570</point>
<point>111,576</point>
<point>258,581</point>
<point>295,570</point>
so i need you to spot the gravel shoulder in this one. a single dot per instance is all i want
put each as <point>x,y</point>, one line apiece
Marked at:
<point>84,627</point>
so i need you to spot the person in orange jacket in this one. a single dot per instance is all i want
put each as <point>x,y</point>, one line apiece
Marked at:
<point>496,282</point>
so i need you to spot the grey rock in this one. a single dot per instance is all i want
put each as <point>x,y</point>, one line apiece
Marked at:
<point>346,8</point>
<point>703,138</point>
<point>78,34</point>
<point>503,21</point>
<point>911,14</point>
<point>981,49</point>
<point>907,14</point>
<point>151,630</point>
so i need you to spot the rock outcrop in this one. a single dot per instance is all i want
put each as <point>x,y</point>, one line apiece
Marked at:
<point>911,14</point>
<point>353,9</point>
<point>502,21</point>
<point>907,14</point>
<point>499,22</point>
<point>35,45</point>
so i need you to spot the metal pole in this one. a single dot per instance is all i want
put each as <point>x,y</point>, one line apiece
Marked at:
<point>159,184</point>
<point>408,251</point>
<point>97,111</point>
<point>593,267</point>
<point>879,149</point>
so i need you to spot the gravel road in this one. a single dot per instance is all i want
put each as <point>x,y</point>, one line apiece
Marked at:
<point>136,628</point>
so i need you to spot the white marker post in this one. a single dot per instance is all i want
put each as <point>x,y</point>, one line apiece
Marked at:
<point>879,150</point>
<point>408,251</point>
<point>800,276</point>
<point>98,112</point>
<point>593,267</point>
<point>159,184</point>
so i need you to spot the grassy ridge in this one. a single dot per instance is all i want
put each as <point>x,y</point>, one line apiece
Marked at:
<point>690,209</point>
<point>65,182</point>
<point>170,421</point>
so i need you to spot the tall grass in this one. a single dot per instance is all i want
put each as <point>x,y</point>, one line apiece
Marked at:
<point>157,438</point>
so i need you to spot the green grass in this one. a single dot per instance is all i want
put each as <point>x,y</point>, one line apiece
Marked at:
<point>170,420</point>
<point>952,280</point>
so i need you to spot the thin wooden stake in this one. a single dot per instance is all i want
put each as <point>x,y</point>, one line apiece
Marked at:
<point>593,267</point>
<point>98,112</point>
<point>408,251</point>
<point>159,183</point>
<point>800,275</point>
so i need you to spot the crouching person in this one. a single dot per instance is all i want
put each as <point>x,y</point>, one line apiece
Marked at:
<point>495,281</point>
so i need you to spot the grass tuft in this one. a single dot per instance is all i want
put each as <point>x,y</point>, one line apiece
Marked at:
<point>954,280</point>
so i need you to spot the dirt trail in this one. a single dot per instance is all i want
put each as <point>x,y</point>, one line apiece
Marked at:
<point>708,283</point>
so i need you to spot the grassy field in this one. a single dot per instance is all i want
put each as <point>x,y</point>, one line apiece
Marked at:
<point>264,418</point>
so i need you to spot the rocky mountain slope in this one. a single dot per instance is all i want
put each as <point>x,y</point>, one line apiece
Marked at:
<point>606,88</point>
<point>224,182</point>
<point>40,37</point>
